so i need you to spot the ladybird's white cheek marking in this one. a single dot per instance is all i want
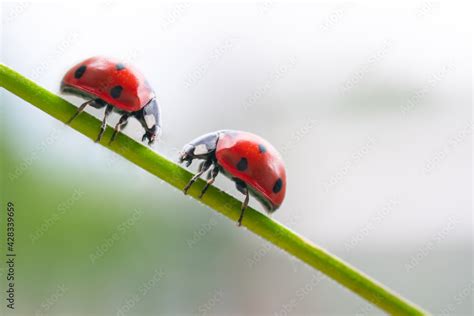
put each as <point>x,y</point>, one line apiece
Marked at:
<point>150,120</point>
<point>200,149</point>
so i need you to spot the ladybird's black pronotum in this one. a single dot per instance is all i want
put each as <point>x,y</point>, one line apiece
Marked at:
<point>118,87</point>
<point>250,161</point>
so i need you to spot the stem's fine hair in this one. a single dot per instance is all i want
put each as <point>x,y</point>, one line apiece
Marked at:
<point>173,174</point>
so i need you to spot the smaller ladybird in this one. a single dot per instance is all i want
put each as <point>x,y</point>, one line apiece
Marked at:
<point>117,86</point>
<point>251,162</point>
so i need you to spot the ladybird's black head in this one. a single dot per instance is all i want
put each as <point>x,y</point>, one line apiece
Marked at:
<point>202,147</point>
<point>186,155</point>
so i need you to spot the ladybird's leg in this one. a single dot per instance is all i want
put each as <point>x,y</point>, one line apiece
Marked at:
<point>211,177</point>
<point>80,109</point>
<point>209,174</point>
<point>103,126</point>
<point>194,178</point>
<point>143,123</point>
<point>150,132</point>
<point>242,187</point>
<point>119,126</point>
<point>202,168</point>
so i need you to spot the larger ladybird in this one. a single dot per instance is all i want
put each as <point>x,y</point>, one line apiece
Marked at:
<point>117,86</point>
<point>251,162</point>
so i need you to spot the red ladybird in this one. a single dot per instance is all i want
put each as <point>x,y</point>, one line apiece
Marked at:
<point>249,160</point>
<point>118,87</point>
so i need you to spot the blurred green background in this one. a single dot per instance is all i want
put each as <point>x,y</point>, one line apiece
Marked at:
<point>370,106</point>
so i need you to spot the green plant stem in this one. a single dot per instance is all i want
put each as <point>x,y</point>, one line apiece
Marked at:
<point>172,173</point>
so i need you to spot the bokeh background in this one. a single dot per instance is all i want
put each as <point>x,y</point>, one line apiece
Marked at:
<point>369,104</point>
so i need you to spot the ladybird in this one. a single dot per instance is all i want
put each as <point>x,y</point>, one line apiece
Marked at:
<point>117,86</point>
<point>251,162</point>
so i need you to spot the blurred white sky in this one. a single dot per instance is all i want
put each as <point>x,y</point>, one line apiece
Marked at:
<point>369,103</point>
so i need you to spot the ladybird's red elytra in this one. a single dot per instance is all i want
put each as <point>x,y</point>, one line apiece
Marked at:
<point>118,86</point>
<point>241,155</point>
<point>249,160</point>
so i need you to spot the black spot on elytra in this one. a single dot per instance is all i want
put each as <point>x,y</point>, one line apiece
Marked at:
<point>116,91</point>
<point>80,72</point>
<point>277,186</point>
<point>262,149</point>
<point>242,164</point>
<point>120,66</point>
